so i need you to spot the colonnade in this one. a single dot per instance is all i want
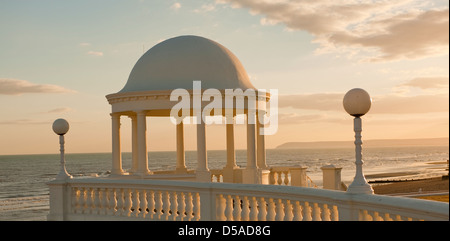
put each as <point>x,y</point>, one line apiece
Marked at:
<point>256,153</point>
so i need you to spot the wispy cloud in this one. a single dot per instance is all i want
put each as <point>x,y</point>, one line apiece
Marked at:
<point>95,53</point>
<point>387,30</point>
<point>25,122</point>
<point>60,110</point>
<point>18,87</point>
<point>428,82</point>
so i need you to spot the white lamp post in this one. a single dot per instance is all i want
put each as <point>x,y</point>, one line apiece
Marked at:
<point>61,127</point>
<point>357,103</point>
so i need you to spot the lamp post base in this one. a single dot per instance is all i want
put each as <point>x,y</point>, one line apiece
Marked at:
<point>362,188</point>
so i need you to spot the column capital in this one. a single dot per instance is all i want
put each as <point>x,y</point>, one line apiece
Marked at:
<point>140,112</point>
<point>115,115</point>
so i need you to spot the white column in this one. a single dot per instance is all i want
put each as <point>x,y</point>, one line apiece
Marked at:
<point>202,171</point>
<point>181,163</point>
<point>250,174</point>
<point>231,154</point>
<point>231,167</point>
<point>261,146</point>
<point>251,145</point>
<point>134,144</point>
<point>142,143</point>
<point>116,152</point>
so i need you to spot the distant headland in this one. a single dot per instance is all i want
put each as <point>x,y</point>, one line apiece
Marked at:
<point>367,143</point>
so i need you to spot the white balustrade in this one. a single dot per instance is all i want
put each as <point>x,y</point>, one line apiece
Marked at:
<point>112,199</point>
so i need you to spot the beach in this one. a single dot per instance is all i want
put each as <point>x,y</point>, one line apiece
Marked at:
<point>436,188</point>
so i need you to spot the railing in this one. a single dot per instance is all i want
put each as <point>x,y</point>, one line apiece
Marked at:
<point>285,175</point>
<point>109,199</point>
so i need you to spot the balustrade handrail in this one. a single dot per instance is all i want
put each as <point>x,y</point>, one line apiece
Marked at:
<point>113,199</point>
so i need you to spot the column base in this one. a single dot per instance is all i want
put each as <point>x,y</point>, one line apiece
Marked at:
<point>203,176</point>
<point>251,176</point>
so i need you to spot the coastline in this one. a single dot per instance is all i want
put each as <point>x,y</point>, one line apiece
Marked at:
<point>395,184</point>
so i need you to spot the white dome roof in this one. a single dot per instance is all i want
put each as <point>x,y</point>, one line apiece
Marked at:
<point>177,62</point>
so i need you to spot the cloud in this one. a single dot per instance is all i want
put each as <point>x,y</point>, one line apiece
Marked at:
<point>59,110</point>
<point>85,44</point>
<point>95,53</point>
<point>18,87</point>
<point>384,104</point>
<point>428,82</point>
<point>25,122</point>
<point>175,6</point>
<point>390,30</point>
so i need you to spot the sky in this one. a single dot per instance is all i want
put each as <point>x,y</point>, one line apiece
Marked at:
<point>59,59</point>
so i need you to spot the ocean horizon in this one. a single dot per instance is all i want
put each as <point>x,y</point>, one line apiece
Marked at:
<point>24,194</point>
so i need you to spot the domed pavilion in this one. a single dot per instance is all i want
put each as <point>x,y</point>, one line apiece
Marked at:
<point>174,64</point>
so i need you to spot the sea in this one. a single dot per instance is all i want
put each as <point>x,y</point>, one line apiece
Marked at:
<point>24,194</point>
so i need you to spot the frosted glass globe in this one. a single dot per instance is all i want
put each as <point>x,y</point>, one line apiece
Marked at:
<point>357,102</point>
<point>60,126</point>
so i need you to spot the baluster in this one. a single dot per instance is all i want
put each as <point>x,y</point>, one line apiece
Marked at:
<point>104,201</point>
<point>316,212</point>
<point>279,210</point>
<point>89,201</point>
<point>306,212</point>
<point>82,200</point>
<point>271,210</point>
<point>387,217</point>
<point>245,209</point>
<point>288,216</point>
<point>120,202</point>
<point>97,201</point>
<point>196,203</point>
<point>280,178</point>
<point>325,212</point>
<point>334,213</point>
<point>151,204</point>
<point>286,178</point>
<point>364,215</point>
<point>262,209</point>
<point>297,212</point>
<point>159,205</point>
<point>143,204</point>
<point>128,202</point>
<point>174,205</point>
<point>189,207</point>
<point>374,215</point>
<point>254,209</point>
<point>166,205</point>
<point>181,207</point>
<point>112,205</point>
<point>220,207</point>
<point>237,212</point>
<point>75,200</point>
<point>228,208</point>
<point>136,203</point>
